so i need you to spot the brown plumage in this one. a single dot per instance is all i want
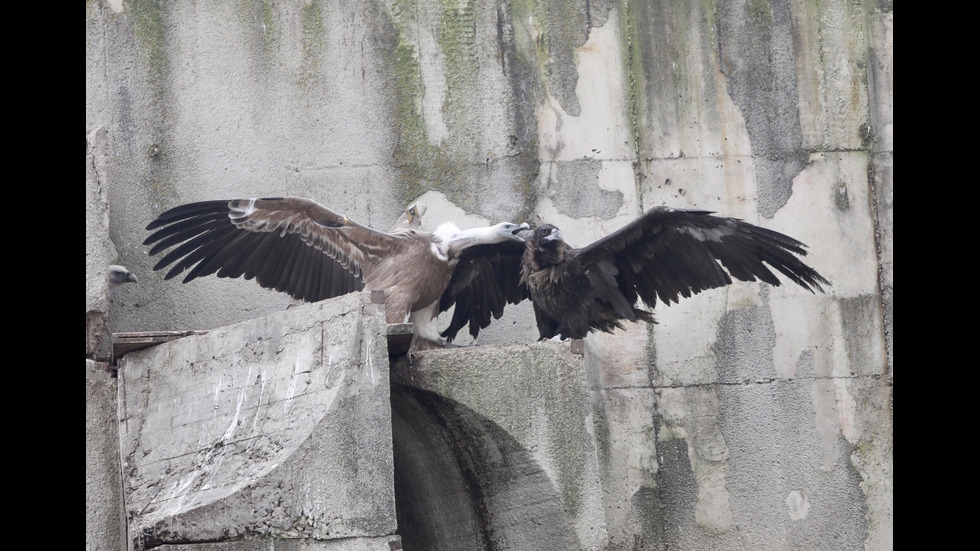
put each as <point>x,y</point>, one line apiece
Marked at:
<point>665,253</point>
<point>299,247</point>
<point>485,280</point>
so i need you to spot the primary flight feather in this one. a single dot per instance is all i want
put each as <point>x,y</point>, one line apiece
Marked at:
<point>297,246</point>
<point>664,254</point>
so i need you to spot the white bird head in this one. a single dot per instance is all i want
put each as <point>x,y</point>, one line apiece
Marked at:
<point>119,275</point>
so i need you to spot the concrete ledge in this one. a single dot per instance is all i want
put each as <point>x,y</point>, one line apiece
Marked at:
<point>274,427</point>
<point>494,449</point>
<point>388,543</point>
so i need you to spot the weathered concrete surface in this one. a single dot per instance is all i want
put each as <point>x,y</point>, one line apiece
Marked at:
<point>315,99</point>
<point>276,427</point>
<point>582,114</point>
<point>99,250</point>
<point>388,543</point>
<point>881,85</point>
<point>105,520</point>
<point>506,434</point>
<point>104,515</point>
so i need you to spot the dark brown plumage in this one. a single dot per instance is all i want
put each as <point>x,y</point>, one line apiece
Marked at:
<point>666,253</point>
<point>297,246</point>
<point>485,280</point>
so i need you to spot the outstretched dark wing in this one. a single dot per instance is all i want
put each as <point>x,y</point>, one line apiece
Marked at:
<point>290,244</point>
<point>486,279</point>
<point>668,253</point>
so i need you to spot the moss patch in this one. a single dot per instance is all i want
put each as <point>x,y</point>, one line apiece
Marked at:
<point>313,39</point>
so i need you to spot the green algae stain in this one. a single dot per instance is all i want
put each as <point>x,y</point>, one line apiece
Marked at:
<point>457,40</point>
<point>268,22</point>
<point>313,35</point>
<point>710,11</point>
<point>448,166</point>
<point>457,37</point>
<point>530,12</point>
<point>633,73</point>
<point>760,11</point>
<point>422,165</point>
<point>150,33</point>
<point>412,146</point>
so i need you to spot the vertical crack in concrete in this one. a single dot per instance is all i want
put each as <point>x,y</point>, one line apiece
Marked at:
<point>879,263</point>
<point>628,29</point>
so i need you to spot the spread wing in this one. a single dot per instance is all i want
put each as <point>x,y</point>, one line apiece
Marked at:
<point>289,244</point>
<point>486,279</point>
<point>669,252</point>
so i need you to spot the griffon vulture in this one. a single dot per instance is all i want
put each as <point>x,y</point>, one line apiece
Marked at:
<point>118,275</point>
<point>665,253</point>
<point>298,246</point>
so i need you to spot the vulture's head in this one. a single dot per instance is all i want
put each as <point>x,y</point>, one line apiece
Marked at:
<point>546,246</point>
<point>508,231</point>
<point>119,275</point>
<point>415,212</point>
<point>411,219</point>
<point>547,236</point>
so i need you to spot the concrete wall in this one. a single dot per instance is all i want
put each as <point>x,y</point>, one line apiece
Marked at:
<point>105,521</point>
<point>275,428</point>
<point>516,423</point>
<point>99,251</point>
<point>104,514</point>
<point>750,416</point>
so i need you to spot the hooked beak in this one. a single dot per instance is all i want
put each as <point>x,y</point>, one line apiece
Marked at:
<point>522,231</point>
<point>553,236</point>
<point>119,275</point>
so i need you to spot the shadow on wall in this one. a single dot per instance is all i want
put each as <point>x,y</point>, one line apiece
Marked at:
<point>462,482</point>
